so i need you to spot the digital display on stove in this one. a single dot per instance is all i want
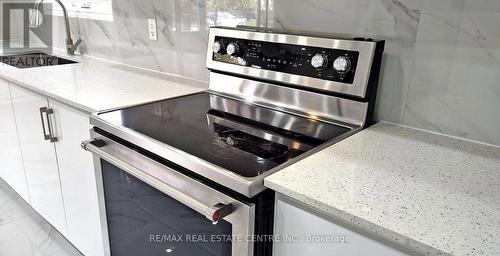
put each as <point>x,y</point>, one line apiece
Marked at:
<point>322,63</point>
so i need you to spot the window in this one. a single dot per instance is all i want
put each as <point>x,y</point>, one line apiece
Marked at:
<point>90,9</point>
<point>234,13</point>
<point>198,15</point>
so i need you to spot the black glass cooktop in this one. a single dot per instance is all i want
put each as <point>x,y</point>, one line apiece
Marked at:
<point>237,136</point>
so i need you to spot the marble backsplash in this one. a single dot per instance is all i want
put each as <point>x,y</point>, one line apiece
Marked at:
<point>442,63</point>
<point>441,69</point>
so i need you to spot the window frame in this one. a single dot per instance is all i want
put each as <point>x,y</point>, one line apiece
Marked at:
<point>106,15</point>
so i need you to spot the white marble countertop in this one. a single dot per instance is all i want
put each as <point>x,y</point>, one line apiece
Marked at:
<point>93,85</point>
<point>434,194</point>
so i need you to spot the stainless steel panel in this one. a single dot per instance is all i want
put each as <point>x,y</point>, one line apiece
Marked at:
<point>357,88</point>
<point>273,118</point>
<point>101,204</point>
<point>309,104</point>
<point>243,185</point>
<point>261,133</point>
<point>187,191</point>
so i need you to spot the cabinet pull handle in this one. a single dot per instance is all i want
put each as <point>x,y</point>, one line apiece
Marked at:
<point>45,135</point>
<point>49,124</point>
<point>50,135</point>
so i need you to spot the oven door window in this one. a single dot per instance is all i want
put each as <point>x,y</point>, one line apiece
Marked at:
<point>144,221</point>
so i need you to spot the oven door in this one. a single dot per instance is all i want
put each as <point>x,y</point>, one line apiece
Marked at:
<point>152,209</point>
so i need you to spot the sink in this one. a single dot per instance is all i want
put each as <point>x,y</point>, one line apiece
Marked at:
<point>33,60</point>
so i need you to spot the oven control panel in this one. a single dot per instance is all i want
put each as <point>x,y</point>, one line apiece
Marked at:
<point>322,63</point>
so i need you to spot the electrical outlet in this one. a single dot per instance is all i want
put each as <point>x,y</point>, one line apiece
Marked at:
<point>153,30</point>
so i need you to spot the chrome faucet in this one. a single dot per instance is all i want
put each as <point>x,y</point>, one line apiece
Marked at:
<point>70,46</point>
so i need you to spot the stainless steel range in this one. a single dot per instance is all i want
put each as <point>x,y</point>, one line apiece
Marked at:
<point>193,167</point>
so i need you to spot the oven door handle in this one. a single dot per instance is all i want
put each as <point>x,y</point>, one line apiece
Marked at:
<point>212,212</point>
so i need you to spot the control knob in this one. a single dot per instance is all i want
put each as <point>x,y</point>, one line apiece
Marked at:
<point>342,64</point>
<point>233,49</point>
<point>319,61</point>
<point>218,47</point>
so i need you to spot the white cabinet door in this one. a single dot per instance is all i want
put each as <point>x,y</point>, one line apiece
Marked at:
<point>303,232</point>
<point>39,158</point>
<point>77,179</point>
<point>11,161</point>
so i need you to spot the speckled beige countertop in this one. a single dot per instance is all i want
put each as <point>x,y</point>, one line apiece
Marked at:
<point>94,85</point>
<point>433,194</point>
